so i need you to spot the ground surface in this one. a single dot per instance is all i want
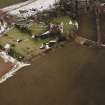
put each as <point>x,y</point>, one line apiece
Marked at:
<point>73,75</point>
<point>4,67</point>
<point>4,3</point>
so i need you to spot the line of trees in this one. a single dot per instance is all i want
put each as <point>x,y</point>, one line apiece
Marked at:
<point>70,7</point>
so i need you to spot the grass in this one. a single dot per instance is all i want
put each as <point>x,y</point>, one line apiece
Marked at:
<point>4,3</point>
<point>27,46</point>
<point>38,28</point>
<point>67,27</point>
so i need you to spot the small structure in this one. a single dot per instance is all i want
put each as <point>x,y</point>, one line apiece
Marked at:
<point>33,36</point>
<point>7,47</point>
<point>43,46</point>
<point>76,25</point>
<point>47,47</point>
<point>56,28</point>
<point>70,22</point>
<point>54,31</point>
<point>18,40</point>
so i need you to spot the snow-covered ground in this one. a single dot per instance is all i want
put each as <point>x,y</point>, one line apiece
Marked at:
<point>40,5</point>
<point>16,6</point>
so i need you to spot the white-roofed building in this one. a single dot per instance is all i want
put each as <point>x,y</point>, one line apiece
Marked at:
<point>7,47</point>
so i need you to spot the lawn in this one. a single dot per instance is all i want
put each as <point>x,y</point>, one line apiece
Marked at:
<point>38,28</point>
<point>28,46</point>
<point>4,3</point>
<point>65,20</point>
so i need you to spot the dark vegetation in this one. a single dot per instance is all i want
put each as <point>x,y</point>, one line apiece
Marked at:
<point>4,3</point>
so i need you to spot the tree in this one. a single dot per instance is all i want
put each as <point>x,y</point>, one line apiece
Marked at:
<point>70,7</point>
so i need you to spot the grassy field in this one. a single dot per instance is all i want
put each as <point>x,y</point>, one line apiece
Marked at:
<point>37,28</point>
<point>27,46</point>
<point>4,3</point>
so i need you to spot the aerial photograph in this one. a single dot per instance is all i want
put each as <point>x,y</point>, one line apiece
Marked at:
<point>52,52</point>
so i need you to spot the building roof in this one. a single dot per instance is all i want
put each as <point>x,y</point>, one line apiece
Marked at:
<point>7,46</point>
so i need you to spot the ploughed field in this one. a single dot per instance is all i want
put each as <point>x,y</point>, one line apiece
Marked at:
<point>72,75</point>
<point>5,67</point>
<point>4,3</point>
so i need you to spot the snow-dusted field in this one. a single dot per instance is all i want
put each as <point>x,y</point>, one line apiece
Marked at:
<point>40,5</point>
